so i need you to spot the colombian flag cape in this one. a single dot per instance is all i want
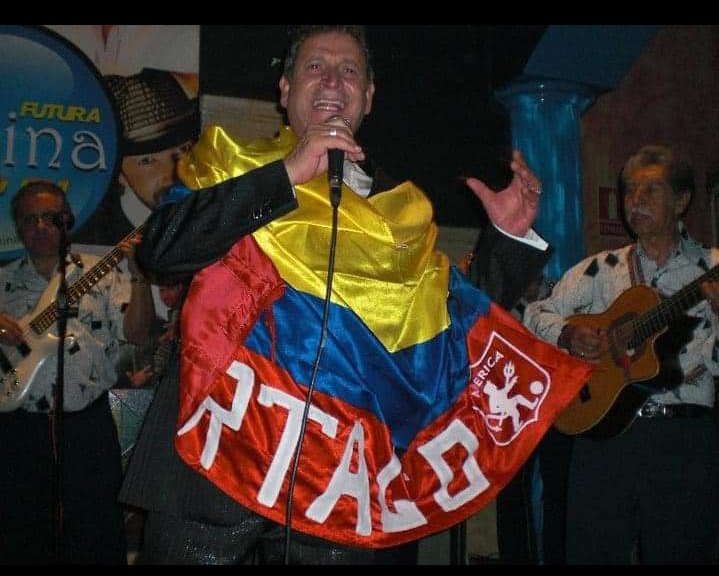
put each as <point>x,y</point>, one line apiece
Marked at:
<point>428,398</point>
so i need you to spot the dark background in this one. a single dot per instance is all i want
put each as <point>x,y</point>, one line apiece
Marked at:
<point>434,117</point>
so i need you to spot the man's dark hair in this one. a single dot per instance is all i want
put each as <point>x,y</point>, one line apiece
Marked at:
<point>37,187</point>
<point>301,33</point>
<point>679,174</point>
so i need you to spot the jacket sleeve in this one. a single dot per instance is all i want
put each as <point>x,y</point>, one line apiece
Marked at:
<point>503,267</point>
<point>185,236</point>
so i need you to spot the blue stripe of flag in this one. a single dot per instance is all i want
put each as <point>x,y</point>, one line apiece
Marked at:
<point>406,390</point>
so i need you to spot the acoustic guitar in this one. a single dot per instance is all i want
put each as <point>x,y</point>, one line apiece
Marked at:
<point>645,335</point>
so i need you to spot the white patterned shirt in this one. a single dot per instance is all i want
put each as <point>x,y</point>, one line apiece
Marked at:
<point>592,285</point>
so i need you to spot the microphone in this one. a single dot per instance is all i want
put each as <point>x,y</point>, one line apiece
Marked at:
<point>335,161</point>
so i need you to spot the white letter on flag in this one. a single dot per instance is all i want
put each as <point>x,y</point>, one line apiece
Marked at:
<point>455,433</point>
<point>345,482</point>
<point>408,515</point>
<point>233,417</point>
<point>277,471</point>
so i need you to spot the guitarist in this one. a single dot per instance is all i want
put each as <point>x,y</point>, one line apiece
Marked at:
<point>115,308</point>
<point>653,489</point>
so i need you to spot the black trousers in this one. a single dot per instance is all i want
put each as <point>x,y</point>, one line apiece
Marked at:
<point>255,540</point>
<point>653,491</point>
<point>529,531</point>
<point>93,531</point>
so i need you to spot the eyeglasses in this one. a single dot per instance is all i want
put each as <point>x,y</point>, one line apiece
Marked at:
<point>48,218</point>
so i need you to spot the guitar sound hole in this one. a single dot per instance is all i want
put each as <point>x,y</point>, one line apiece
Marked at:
<point>5,365</point>
<point>585,394</point>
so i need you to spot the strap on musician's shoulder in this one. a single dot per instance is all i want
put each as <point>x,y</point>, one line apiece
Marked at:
<point>636,275</point>
<point>76,259</point>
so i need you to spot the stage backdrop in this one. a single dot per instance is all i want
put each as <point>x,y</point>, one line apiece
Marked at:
<point>59,124</point>
<point>105,111</point>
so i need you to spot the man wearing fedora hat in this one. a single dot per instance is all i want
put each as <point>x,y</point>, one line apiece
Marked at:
<point>159,124</point>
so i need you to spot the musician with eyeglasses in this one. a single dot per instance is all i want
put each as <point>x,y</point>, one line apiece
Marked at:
<point>112,306</point>
<point>644,472</point>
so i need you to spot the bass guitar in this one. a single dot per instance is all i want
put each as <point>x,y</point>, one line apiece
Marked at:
<point>20,364</point>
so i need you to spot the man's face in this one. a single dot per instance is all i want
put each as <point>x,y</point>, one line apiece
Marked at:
<point>651,207</point>
<point>147,175</point>
<point>40,237</point>
<point>329,79</point>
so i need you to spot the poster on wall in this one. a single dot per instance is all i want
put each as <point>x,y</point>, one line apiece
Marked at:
<point>609,210</point>
<point>59,125</point>
<point>152,73</point>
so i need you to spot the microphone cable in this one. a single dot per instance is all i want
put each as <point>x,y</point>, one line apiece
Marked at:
<point>334,200</point>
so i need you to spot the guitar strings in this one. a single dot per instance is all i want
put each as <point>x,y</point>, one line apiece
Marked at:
<point>690,294</point>
<point>45,319</point>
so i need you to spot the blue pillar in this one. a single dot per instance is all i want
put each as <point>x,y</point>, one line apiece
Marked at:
<point>545,127</point>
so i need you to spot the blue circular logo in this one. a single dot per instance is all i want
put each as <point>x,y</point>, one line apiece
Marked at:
<point>58,123</point>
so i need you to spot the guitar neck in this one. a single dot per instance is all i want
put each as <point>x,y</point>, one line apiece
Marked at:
<point>671,309</point>
<point>48,316</point>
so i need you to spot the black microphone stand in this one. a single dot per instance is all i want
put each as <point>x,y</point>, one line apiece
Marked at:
<point>63,312</point>
<point>334,174</point>
<point>458,544</point>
